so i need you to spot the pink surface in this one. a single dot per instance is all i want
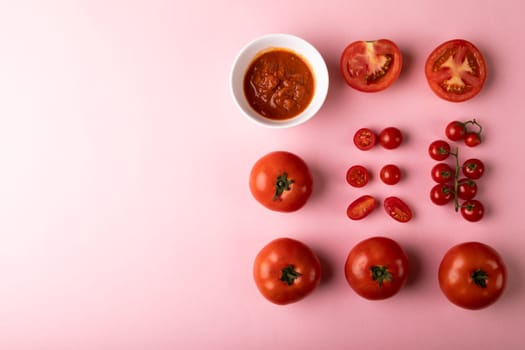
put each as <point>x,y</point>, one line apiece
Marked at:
<point>125,216</point>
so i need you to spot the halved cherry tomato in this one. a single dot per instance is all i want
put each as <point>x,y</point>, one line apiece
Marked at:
<point>361,207</point>
<point>439,150</point>
<point>397,209</point>
<point>364,139</point>
<point>456,70</point>
<point>371,66</point>
<point>357,176</point>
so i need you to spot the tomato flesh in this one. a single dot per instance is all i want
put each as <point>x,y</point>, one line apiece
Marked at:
<point>364,139</point>
<point>371,66</point>
<point>357,176</point>
<point>361,207</point>
<point>397,209</point>
<point>456,70</point>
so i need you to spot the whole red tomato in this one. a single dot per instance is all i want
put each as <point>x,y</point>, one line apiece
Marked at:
<point>281,181</point>
<point>390,137</point>
<point>286,270</point>
<point>377,268</point>
<point>439,150</point>
<point>390,174</point>
<point>472,275</point>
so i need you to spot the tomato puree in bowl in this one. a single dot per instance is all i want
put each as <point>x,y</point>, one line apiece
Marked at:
<point>279,84</point>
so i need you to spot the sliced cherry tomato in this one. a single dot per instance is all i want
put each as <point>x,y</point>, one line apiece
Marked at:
<point>390,137</point>
<point>472,139</point>
<point>456,70</point>
<point>377,268</point>
<point>286,270</point>
<point>371,66</point>
<point>364,139</point>
<point>357,176</point>
<point>473,168</point>
<point>397,209</point>
<point>439,150</point>
<point>467,189</point>
<point>456,130</point>
<point>472,210</point>
<point>472,275</point>
<point>442,173</point>
<point>390,174</point>
<point>441,194</point>
<point>361,207</point>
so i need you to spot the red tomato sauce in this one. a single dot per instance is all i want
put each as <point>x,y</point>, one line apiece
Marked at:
<point>279,84</point>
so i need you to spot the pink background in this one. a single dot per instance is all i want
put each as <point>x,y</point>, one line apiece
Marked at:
<point>126,220</point>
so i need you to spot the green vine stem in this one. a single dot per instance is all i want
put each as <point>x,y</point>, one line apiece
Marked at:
<point>456,179</point>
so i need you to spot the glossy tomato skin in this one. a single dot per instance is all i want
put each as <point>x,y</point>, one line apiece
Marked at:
<point>364,139</point>
<point>361,207</point>
<point>441,194</point>
<point>456,70</point>
<point>442,173</point>
<point>439,150</point>
<point>357,176</point>
<point>472,139</point>
<point>473,168</point>
<point>397,209</point>
<point>281,181</point>
<point>371,66</point>
<point>286,270</point>
<point>377,268</point>
<point>390,174</point>
<point>472,275</point>
<point>455,130</point>
<point>467,188</point>
<point>472,210</point>
<point>390,137</point>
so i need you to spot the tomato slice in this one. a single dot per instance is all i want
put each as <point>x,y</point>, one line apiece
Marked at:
<point>361,207</point>
<point>397,209</point>
<point>456,70</point>
<point>357,176</point>
<point>364,139</point>
<point>371,66</point>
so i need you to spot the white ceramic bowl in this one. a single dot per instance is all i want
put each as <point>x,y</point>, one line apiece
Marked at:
<point>300,47</point>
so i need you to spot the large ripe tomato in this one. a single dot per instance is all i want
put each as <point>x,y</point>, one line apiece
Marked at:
<point>456,70</point>
<point>472,275</point>
<point>286,271</point>
<point>377,268</point>
<point>371,66</point>
<point>281,181</point>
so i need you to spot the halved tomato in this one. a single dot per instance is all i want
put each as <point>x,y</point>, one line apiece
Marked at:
<point>361,207</point>
<point>456,70</point>
<point>371,66</point>
<point>397,209</point>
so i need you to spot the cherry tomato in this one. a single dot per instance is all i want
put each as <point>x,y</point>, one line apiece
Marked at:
<point>456,70</point>
<point>361,207</point>
<point>377,268</point>
<point>371,66</point>
<point>442,173</point>
<point>439,150</point>
<point>441,194</point>
<point>473,168</point>
<point>397,209</point>
<point>472,275</point>
<point>390,174</point>
<point>390,138</point>
<point>364,139</point>
<point>357,176</point>
<point>286,270</point>
<point>455,130</point>
<point>472,139</point>
<point>281,181</point>
<point>467,189</point>
<point>472,210</point>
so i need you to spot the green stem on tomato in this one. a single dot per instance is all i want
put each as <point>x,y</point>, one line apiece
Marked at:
<point>475,122</point>
<point>456,179</point>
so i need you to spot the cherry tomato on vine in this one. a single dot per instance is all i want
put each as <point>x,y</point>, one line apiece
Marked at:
<point>473,168</point>
<point>281,181</point>
<point>467,189</point>
<point>472,275</point>
<point>441,194</point>
<point>286,270</point>
<point>390,137</point>
<point>377,268</point>
<point>390,174</point>
<point>455,130</point>
<point>397,209</point>
<point>357,176</point>
<point>472,210</point>
<point>456,70</point>
<point>371,66</point>
<point>361,207</point>
<point>472,139</point>
<point>364,139</point>
<point>439,150</point>
<point>442,173</point>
